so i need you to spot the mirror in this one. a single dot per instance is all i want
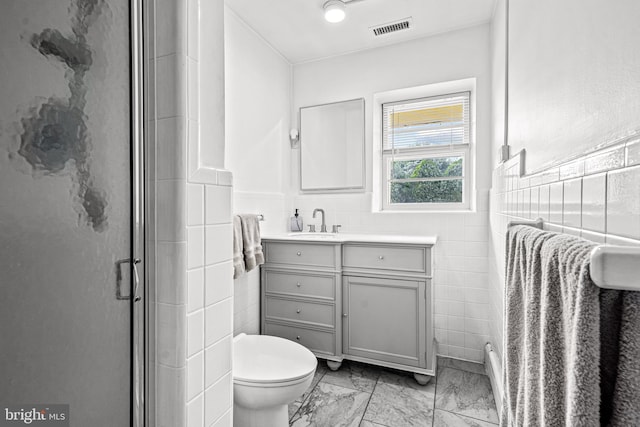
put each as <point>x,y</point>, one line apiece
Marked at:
<point>332,146</point>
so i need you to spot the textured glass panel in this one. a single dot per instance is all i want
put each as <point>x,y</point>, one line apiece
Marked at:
<point>65,206</point>
<point>449,191</point>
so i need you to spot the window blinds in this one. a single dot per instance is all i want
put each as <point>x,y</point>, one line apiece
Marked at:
<point>426,122</point>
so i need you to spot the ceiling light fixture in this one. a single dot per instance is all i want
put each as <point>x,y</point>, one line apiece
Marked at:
<point>334,11</point>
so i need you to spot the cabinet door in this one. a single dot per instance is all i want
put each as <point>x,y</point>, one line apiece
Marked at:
<point>384,319</point>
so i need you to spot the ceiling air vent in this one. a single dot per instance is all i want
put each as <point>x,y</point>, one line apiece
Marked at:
<point>392,27</point>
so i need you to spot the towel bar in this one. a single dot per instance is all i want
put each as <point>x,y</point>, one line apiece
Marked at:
<point>536,223</point>
<point>612,267</point>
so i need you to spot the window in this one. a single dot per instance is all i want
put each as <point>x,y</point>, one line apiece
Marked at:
<point>425,153</point>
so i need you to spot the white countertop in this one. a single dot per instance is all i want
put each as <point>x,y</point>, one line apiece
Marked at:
<point>352,237</point>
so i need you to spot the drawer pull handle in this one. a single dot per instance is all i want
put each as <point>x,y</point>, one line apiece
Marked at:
<point>298,311</point>
<point>298,337</point>
<point>344,314</point>
<point>298,253</point>
<point>298,284</point>
<point>381,257</point>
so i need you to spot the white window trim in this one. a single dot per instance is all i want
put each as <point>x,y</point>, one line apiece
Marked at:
<point>379,200</point>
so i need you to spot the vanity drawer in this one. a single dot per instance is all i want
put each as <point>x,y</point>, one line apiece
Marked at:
<point>300,285</point>
<point>408,259</point>
<point>308,254</point>
<point>317,341</point>
<point>322,315</point>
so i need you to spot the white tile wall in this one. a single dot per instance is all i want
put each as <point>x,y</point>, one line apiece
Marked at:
<point>623,202</point>
<point>218,282</point>
<point>195,290</point>
<point>195,412</point>
<point>194,321</point>
<point>595,197</point>
<point>593,202</point>
<point>171,271</point>
<point>195,204</point>
<point>218,400</point>
<point>211,299</point>
<point>170,383</point>
<point>171,333</point>
<point>633,152</point>
<point>195,247</point>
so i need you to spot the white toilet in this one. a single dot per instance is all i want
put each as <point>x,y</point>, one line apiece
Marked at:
<point>268,374</point>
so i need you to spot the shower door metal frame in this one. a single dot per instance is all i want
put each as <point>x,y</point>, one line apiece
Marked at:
<point>139,301</point>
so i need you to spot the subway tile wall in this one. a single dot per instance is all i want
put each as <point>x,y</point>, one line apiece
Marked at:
<point>595,197</point>
<point>194,286</point>
<point>462,306</point>
<point>209,304</point>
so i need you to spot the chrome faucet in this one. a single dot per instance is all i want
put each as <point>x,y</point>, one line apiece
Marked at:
<point>323,227</point>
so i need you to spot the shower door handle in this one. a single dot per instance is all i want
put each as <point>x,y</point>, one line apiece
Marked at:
<point>136,279</point>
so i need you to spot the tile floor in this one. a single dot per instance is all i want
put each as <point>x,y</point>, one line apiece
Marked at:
<point>359,395</point>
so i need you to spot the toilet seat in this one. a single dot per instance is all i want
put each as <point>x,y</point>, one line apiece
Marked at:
<point>266,361</point>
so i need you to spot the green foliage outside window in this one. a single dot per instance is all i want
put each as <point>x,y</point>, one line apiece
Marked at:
<point>436,191</point>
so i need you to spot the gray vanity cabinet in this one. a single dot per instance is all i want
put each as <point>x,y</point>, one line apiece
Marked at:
<point>384,320</point>
<point>369,301</point>
<point>300,295</point>
<point>387,306</point>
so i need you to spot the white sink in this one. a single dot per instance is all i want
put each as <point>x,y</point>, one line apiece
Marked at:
<point>313,236</point>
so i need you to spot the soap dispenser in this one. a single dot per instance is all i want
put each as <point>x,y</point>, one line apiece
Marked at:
<point>296,222</point>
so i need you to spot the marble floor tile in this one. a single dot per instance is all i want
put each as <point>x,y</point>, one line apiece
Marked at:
<point>293,407</point>
<point>320,371</point>
<point>465,393</point>
<point>322,367</point>
<point>316,379</point>
<point>449,419</point>
<point>406,379</point>
<point>353,375</point>
<point>399,401</point>
<point>445,362</point>
<point>331,406</point>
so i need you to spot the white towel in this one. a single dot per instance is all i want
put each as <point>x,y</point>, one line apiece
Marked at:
<point>252,245</point>
<point>238,255</point>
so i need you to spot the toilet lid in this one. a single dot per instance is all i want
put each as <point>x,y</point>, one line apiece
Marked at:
<point>267,359</point>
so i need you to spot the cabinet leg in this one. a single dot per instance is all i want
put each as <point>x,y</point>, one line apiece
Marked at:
<point>334,366</point>
<point>421,379</point>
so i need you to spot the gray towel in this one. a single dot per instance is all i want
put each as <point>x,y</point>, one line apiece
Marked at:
<point>620,358</point>
<point>252,245</point>
<point>563,343</point>
<point>238,255</point>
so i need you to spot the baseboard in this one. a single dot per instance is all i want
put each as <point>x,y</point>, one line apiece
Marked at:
<point>493,369</point>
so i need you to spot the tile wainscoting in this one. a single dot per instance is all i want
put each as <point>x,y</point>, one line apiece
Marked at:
<point>595,196</point>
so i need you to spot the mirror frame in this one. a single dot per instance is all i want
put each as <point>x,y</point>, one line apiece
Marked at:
<point>359,188</point>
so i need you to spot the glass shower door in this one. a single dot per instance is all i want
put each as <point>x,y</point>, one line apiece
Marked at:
<point>66,240</point>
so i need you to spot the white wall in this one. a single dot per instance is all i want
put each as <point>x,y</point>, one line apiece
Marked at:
<point>573,78</point>
<point>462,304</point>
<point>257,120</point>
